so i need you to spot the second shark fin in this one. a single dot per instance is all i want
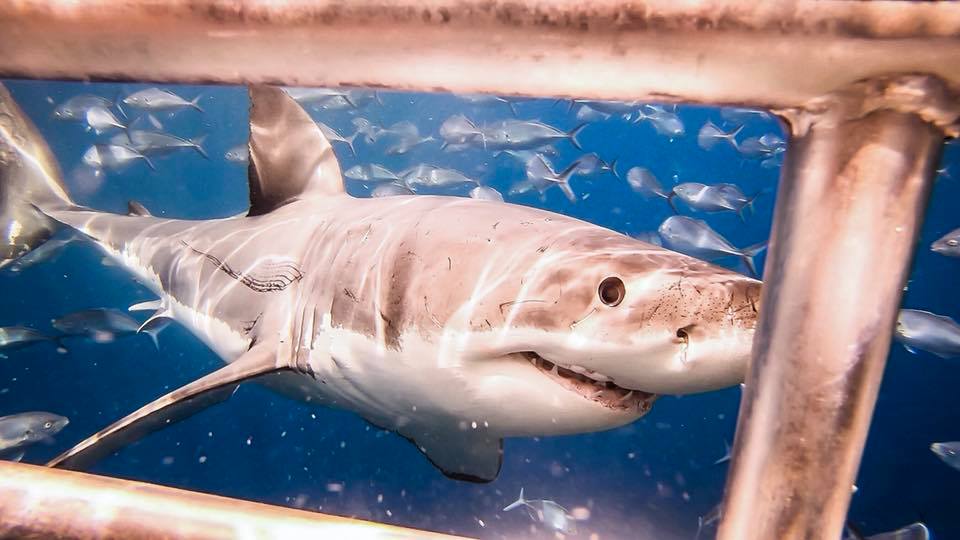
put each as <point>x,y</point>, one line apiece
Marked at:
<point>177,405</point>
<point>468,455</point>
<point>290,159</point>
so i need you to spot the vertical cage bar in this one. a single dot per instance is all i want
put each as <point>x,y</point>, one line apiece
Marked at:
<point>852,196</point>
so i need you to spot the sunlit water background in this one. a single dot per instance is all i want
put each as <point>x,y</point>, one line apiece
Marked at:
<point>651,479</point>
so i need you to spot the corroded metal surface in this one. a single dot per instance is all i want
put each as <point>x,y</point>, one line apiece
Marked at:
<point>851,201</point>
<point>36,502</point>
<point>778,53</point>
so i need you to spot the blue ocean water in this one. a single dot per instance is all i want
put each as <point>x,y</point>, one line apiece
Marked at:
<point>651,479</point>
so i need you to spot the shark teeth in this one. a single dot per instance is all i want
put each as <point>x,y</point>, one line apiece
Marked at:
<point>592,385</point>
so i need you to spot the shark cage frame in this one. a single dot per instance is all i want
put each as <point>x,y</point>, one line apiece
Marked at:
<point>869,91</point>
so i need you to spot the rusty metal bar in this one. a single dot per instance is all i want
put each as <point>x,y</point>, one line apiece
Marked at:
<point>851,200</point>
<point>770,53</point>
<point>37,502</point>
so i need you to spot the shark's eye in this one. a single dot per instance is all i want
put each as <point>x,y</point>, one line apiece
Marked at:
<point>47,425</point>
<point>683,335</point>
<point>611,291</point>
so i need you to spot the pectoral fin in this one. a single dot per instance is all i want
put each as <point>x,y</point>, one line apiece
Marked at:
<point>468,455</point>
<point>173,407</point>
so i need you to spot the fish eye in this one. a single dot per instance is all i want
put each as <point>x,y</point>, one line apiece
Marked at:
<point>612,291</point>
<point>953,242</point>
<point>47,425</point>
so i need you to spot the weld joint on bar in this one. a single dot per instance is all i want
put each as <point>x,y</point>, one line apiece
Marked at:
<point>926,96</point>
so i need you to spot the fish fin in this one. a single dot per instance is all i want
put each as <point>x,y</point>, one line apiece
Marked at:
<point>290,158</point>
<point>149,162</point>
<point>748,253</point>
<point>517,503</point>
<point>150,305</point>
<point>574,133</point>
<point>673,205</point>
<point>153,327</point>
<point>154,121</point>
<point>14,454</point>
<point>195,103</point>
<point>513,107</point>
<point>613,168</point>
<point>468,455</point>
<point>197,143</point>
<point>349,140</point>
<point>377,98</point>
<point>170,408</point>
<point>350,102</point>
<point>135,208</point>
<point>732,136</point>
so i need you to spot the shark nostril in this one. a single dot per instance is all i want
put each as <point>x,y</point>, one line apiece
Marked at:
<point>683,334</point>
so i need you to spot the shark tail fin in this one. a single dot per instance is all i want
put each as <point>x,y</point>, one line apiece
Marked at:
<point>517,503</point>
<point>748,254</point>
<point>31,184</point>
<point>170,408</point>
<point>574,133</point>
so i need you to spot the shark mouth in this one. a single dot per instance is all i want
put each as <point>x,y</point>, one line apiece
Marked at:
<point>592,385</point>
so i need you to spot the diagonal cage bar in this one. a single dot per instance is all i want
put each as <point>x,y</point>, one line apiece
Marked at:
<point>835,71</point>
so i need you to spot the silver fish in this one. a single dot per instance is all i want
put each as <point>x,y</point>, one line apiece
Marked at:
<point>948,244</point>
<point>488,99</point>
<point>622,108</point>
<point>371,172</point>
<point>525,135</point>
<point>370,131</point>
<point>714,198</point>
<point>936,334</point>
<point>433,176</point>
<point>591,164</point>
<point>391,190</point>
<point>551,514</point>
<point>665,123</point>
<point>100,324</point>
<point>763,147</point>
<point>740,115</point>
<point>333,135</point>
<point>949,452</point>
<point>642,181</point>
<point>100,120</point>
<point>155,143</point>
<point>21,429</point>
<point>113,157</point>
<point>17,337</point>
<point>457,131</point>
<point>237,154</point>
<point>404,136</point>
<point>914,531</point>
<point>486,193</point>
<point>76,107</point>
<point>694,237</point>
<point>309,95</point>
<point>523,156</point>
<point>158,99</point>
<point>586,113</point>
<point>710,135</point>
<point>541,177</point>
<point>650,237</point>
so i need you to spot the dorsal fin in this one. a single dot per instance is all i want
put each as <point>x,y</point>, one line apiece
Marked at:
<point>290,159</point>
<point>135,208</point>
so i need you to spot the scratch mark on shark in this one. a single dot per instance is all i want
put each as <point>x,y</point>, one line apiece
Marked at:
<point>287,273</point>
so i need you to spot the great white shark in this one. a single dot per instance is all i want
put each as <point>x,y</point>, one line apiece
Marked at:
<point>454,322</point>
